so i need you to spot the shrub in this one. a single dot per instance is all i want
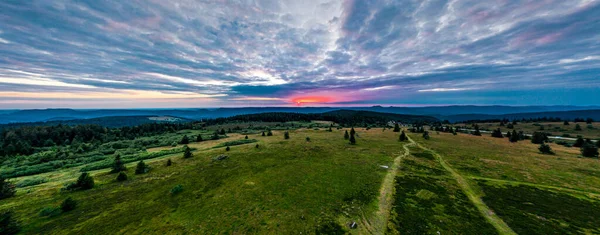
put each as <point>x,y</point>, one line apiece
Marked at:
<point>118,165</point>
<point>497,133</point>
<point>169,162</point>
<point>8,224</point>
<point>199,138</point>
<point>228,148</point>
<point>579,142</point>
<point>286,135</point>
<point>246,137</point>
<point>545,149</point>
<point>7,188</point>
<point>263,133</point>
<point>141,168</point>
<point>68,205</point>
<point>121,177</point>
<point>177,189</point>
<point>578,127</point>
<point>187,153</point>
<point>346,135</point>
<point>31,181</point>
<point>256,146</point>
<point>539,137</point>
<point>589,150</point>
<point>85,181</point>
<point>352,139</point>
<point>426,135</point>
<point>328,225</point>
<point>269,133</point>
<point>50,211</point>
<point>307,139</point>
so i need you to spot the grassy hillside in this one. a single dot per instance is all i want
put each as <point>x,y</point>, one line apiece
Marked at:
<point>283,186</point>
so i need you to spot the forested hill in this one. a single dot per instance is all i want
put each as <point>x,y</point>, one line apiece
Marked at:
<point>111,122</point>
<point>344,117</point>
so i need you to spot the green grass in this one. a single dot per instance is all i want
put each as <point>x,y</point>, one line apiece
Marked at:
<point>427,205</point>
<point>285,186</point>
<point>235,142</point>
<point>530,210</point>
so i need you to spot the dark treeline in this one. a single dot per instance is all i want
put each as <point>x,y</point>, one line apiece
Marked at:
<point>24,140</point>
<point>342,117</point>
<point>542,119</point>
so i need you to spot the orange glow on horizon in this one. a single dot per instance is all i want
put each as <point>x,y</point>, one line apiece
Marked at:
<point>311,99</point>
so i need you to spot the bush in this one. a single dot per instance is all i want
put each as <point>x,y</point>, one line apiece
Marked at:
<point>121,177</point>
<point>426,135</point>
<point>589,150</point>
<point>545,149</point>
<point>7,188</point>
<point>539,137</point>
<point>169,162</point>
<point>31,181</point>
<point>177,189</point>
<point>286,135</point>
<point>50,211</point>
<point>346,135</point>
<point>307,139</point>
<point>68,205</point>
<point>579,142</point>
<point>185,140</point>
<point>228,148</point>
<point>328,225</point>
<point>8,224</point>
<point>141,168</point>
<point>578,127</point>
<point>396,128</point>
<point>497,133</point>
<point>85,181</point>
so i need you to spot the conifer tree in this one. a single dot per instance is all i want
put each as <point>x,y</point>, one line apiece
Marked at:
<point>185,140</point>
<point>578,127</point>
<point>426,135</point>
<point>188,152</point>
<point>68,205</point>
<point>396,127</point>
<point>122,176</point>
<point>514,137</point>
<point>222,132</point>
<point>352,139</point>
<point>352,132</point>
<point>545,149</point>
<point>199,138</point>
<point>118,165</point>
<point>215,135</point>
<point>269,133</point>
<point>7,188</point>
<point>346,135</point>
<point>589,150</point>
<point>141,168</point>
<point>286,135</point>
<point>228,148</point>
<point>263,133</point>
<point>403,137</point>
<point>579,142</point>
<point>246,137</point>
<point>497,133</point>
<point>169,162</point>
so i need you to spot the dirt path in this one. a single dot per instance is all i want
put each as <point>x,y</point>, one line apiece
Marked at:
<point>498,223</point>
<point>377,224</point>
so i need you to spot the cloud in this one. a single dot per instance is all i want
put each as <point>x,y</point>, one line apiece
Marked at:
<point>269,52</point>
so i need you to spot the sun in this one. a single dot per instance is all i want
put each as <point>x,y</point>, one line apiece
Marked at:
<point>311,99</point>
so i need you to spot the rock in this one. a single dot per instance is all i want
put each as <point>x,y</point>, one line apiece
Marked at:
<point>220,157</point>
<point>353,225</point>
<point>385,167</point>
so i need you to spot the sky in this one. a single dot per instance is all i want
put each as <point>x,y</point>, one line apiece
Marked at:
<point>185,53</point>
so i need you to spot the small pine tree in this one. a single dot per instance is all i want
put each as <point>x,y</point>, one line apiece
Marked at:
<point>578,127</point>
<point>545,149</point>
<point>246,137</point>
<point>122,176</point>
<point>579,142</point>
<point>7,188</point>
<point>352,132</point>
<point>228,148</point>
<point>141,168</point>
<point>222,132</point>
<point>352,139</point>
<point>426,135</point>
<point>269,133</point>
<point>477,132</point>
<point>188,152</point>
<point>68,205</point>
<point>215,136</point>
<point>346,135</point>
<point>403,136</point>
<point>330,130</point>
<point>263,133</point>
<point>286,135</point>
<point>396,127</point>
<point>85,181</point>
<point>8,224</point>
<point>514,137</point>
<point>118,165</point>
<point>169,162</point>
<point>185,140</point>
<point>307,139</point>
<point>538,137</point>
<point>497,133</point>
<point>566,123</point>
<point>256,146</point>
<point>199,138</point>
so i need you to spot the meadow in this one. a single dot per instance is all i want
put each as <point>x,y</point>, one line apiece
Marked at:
<point>316,182</point>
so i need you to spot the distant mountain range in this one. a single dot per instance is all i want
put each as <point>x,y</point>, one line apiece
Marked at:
<point>451,113</point>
